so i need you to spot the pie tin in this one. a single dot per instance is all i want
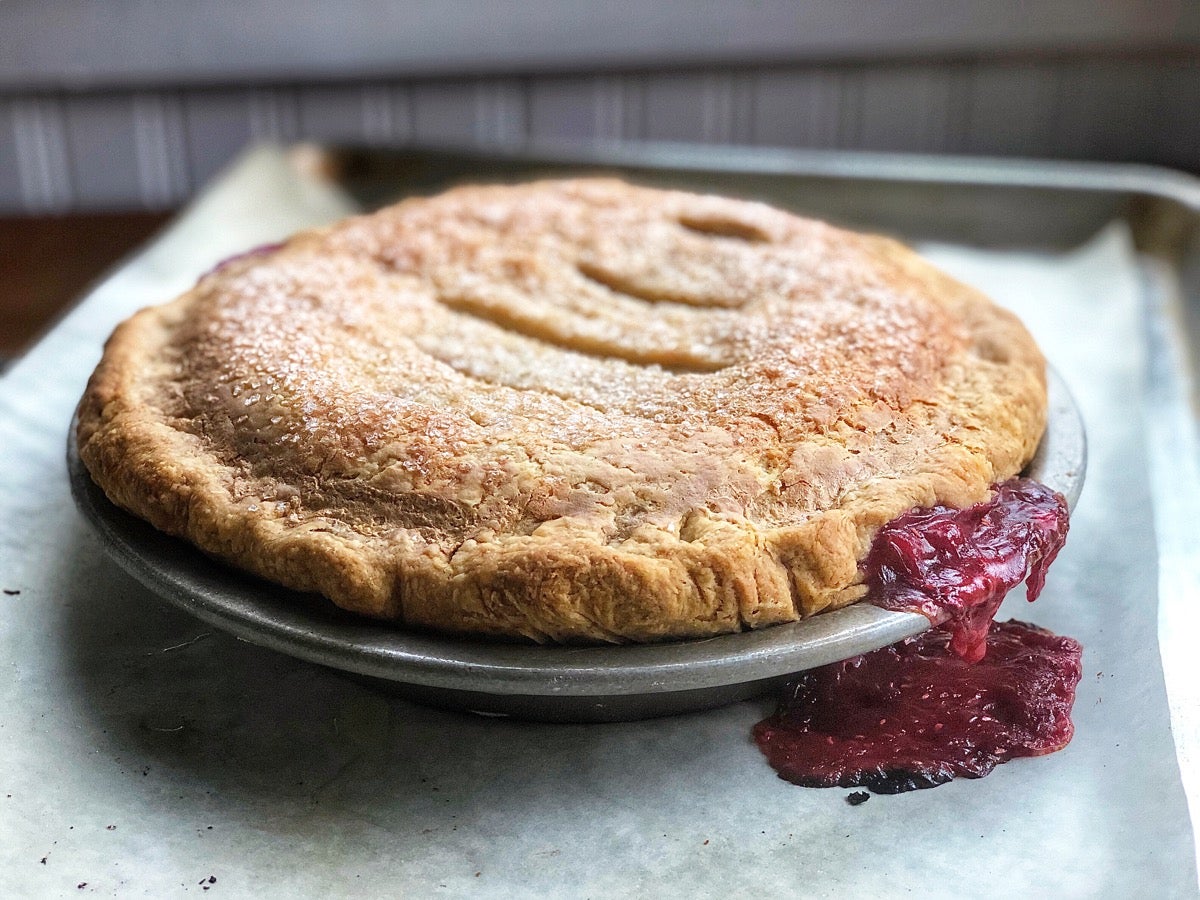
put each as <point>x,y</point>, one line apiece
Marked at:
<point>546,683</point>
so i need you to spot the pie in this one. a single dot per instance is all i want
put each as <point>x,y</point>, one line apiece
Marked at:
<point>572,411</point>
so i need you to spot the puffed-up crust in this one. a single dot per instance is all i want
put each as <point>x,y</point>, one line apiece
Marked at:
<point>564,411</point>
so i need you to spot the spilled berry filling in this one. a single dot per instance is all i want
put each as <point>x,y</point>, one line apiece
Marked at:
<point>916,715</point>
<point>960,698</point>
<point>955,565</point>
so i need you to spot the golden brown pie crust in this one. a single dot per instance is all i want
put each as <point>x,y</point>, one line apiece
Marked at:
<point>572,410</point>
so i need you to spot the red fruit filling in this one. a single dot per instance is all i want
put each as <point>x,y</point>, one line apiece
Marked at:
<point>922,712</point>
<point>260,250</point>
<point>916,715</point>
<point>955,565</point>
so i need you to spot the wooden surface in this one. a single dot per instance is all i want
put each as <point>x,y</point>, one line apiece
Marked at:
<point>46,263</point>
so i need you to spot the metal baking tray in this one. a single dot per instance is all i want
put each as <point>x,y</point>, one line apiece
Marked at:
<point>593,683</point>
<point>606,683</point>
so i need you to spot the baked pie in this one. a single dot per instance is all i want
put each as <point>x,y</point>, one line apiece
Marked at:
<point>564,411</point>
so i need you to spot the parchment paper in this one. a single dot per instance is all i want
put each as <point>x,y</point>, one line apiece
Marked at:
<point>142,753</point>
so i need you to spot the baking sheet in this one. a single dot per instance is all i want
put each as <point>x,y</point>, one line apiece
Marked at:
<point>143,753</point>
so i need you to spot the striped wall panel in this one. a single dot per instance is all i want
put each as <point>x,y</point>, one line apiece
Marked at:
<point>151,148</point>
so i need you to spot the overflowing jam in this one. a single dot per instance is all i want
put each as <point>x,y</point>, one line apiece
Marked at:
<point>933,708</point>
<point>916,715</point>
<point>956,565</point>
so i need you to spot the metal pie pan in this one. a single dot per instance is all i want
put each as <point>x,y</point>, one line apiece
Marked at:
<point>581,684</point>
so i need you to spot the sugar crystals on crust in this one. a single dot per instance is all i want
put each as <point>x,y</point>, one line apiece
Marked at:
<point>573,410</point>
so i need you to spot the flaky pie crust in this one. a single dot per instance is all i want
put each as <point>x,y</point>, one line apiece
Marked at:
<point>565,411</point>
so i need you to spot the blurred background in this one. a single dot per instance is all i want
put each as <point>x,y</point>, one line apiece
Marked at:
<point>114,112</point>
